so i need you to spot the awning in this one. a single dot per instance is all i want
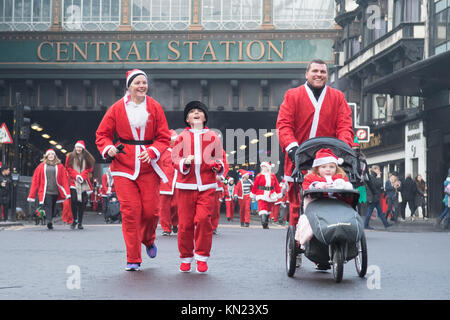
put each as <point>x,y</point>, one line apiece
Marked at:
<point>421,78</point>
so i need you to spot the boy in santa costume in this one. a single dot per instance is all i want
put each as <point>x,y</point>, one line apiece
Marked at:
<point>168,208</point>
<point>266,191</point>
<point>229,198</point>
<point>242,192</point>
<point>199,156</point>
<point>140,124</point>
<point>79,165</point>
<point>50,182</point>
<point>311,110</point>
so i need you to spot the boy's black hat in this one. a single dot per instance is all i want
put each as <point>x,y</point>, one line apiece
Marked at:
<point>195,105</point>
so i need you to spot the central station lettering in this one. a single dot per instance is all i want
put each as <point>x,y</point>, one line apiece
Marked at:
<point>148,51</point>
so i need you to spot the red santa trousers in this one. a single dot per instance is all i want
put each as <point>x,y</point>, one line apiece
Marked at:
<point>230,208</point>
<point>168,211</point>
<point>294,203</point>
<point>275,212</point>
<point>139,202</point>
<point>195,227</point>
<point>216,212</point>
<point>265,206</point>
<point>244,208</point>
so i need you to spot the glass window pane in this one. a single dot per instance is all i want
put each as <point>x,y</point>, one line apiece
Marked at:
<point>160,14</point>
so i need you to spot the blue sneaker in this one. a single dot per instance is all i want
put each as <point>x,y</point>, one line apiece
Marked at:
<point>151,250</point>
<point>132,267</point>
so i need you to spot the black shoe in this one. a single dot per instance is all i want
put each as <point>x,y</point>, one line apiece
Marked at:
<point>242,224</point>
<point>247,224</point>
<point>214,231</point>
<point>166,233</point>
<point>323,266</point>
<point>388,225</point>
<point>175,229</point>
<point>228,219</point>
<point>50,225</point>
<point>73,225</point>
<point>80,226</point>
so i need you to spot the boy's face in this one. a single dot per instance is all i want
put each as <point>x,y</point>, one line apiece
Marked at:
<point>327,169</point>
<point>196,116</point>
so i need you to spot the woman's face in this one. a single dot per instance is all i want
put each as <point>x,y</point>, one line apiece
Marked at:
<point>78,150</point>
<point>51,156</point>
<point>327,169</point>
<point>139,87</point>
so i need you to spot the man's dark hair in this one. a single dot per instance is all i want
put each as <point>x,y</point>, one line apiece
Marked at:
<point>318,61</point>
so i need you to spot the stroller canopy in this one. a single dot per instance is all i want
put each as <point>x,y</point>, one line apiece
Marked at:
<point>306,153</point>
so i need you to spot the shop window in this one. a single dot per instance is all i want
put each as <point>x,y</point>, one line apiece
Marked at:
<point>305,14</point>
<point>91,15</point>
<point>231,14</point>
<point>160,14</point>
<point>25,15</point>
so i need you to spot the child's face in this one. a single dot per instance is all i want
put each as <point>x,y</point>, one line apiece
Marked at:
<point>327,169</point>
<point>195,116</point>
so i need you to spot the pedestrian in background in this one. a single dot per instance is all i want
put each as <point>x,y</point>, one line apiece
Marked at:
<point>420,200</point>
<point>140,124</point>
<point>230,198</point>
<point>79,164</point>
<point>50,182</point>
<point>168,208</point>
<point>391,188</point>
<point>408,189</point>
<point>242,193</point>
<point>446,211</point>
<point>374,190</point>
<point>5,191</point>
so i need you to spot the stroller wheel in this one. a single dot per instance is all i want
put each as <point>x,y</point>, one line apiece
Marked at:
<point>291,252</point>
<point>361,258</point>
<point>338,263</point>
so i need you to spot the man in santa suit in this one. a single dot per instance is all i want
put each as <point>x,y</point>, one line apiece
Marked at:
<point>311,110</point>
<point>229,198</point>
<point>266,191</point>
<point>199,156</point>
<point>242,192</point>
<point>141,127</point>
<point>276,206</point>
<point>168,209</point>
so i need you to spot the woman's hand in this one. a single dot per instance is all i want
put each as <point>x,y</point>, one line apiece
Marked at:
<point>147,155</point>
<point>112,152</point>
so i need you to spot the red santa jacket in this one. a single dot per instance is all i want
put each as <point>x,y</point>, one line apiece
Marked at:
<point>206,147</point>
<point>312,178</point>
<point>39,183</point>
<point>266,187</point>
<point>171,173</point>
<point>302,117</point>
<point>156,130</point>
<point>239,189</point>
<point>74,173</point>
<point>107,186</point>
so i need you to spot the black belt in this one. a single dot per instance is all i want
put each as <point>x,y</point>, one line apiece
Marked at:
<point>137,142</point>
<point>265,188</point>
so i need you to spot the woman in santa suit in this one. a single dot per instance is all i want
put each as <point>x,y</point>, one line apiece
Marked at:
<point>266,191</point>
<point>141,127</point>
<point>51,183</point>
<point>79,165</point>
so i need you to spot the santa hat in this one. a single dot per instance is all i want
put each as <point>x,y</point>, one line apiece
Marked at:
<point>173,134</point>
<point>49,150</point>
<point>267,164</point>
<point>324,156</point>
<point>80,143</point>
<point>133,74</point>
<point>195,105</point>
<point>243,173</point>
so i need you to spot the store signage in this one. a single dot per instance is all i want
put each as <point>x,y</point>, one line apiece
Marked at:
<point>361,132</point>
<point>204,51</point>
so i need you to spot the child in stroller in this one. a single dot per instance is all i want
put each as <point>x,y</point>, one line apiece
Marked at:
<point>326,174</point>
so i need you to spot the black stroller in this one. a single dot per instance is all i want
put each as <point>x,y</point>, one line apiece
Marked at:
<point>112,209</point>
<point>338,228</point>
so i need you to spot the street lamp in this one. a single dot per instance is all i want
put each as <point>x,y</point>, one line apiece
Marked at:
<point>381,102</point>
